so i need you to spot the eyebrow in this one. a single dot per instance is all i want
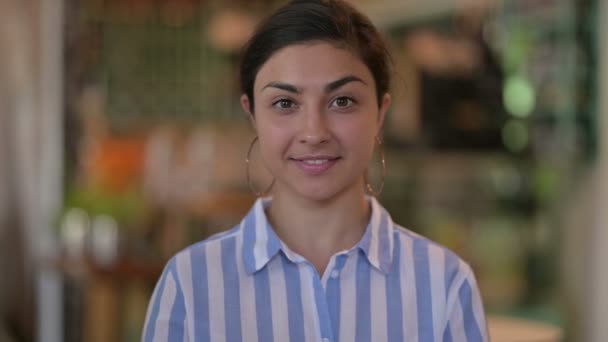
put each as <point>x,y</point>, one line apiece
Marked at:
<point>328,88</point>
<point>341,82</point>
<point>283,86</point>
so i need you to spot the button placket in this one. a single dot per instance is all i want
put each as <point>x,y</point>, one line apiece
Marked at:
<point>336,263</point>
<point>324,317</point>
<point>332,292</point>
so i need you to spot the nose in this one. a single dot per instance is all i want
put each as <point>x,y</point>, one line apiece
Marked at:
<point>314,128</point>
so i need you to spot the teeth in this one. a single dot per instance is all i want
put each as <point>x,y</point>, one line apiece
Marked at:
<point>315,161</point>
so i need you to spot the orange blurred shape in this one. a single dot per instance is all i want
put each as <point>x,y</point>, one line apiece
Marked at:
<point>116,164</point>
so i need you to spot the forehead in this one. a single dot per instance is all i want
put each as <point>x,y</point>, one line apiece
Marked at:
<point>310,64</point>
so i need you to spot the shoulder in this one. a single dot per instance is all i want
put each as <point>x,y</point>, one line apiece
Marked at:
<point>203,253</point>
<point>211,242</point>
<point>438,260</point>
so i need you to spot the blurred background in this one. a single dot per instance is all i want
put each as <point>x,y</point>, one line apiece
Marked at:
<point>122,141</point>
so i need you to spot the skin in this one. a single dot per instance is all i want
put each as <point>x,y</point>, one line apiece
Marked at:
<point>317,101</point>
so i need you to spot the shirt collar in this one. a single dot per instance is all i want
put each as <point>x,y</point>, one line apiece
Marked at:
<point>261,244</point>
<point>377,242</point>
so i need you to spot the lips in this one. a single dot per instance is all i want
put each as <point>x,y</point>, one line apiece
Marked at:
<point>315,165</point>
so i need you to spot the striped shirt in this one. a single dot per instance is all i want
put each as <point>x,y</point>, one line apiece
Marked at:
<point>246,285</point>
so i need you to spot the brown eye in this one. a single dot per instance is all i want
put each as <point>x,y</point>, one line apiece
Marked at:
<point>342,102</point>
<point>284,104</point>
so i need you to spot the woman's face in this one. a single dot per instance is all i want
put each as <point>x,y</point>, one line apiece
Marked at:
<point>316,115</point>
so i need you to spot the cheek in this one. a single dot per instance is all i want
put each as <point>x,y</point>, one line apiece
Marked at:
<point>366,149</point>
<point>358,135</point>
<point>274,141</point>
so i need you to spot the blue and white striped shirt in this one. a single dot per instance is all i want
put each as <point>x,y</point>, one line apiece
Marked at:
<point>246,285</point>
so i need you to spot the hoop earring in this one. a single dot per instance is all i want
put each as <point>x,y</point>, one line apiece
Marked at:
<point>249,182</point>
<point>368,186</point>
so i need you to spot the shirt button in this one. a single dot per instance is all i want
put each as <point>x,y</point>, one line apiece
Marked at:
<point>334,274</point>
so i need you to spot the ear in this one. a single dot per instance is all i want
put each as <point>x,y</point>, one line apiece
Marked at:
<point>386,103</point>
<point>246,105</point>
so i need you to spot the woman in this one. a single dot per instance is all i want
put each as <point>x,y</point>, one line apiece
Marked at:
<point>320,260</point>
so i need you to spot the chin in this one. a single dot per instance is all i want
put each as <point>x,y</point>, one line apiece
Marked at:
<point>318,196</point>
<point>320,193</point>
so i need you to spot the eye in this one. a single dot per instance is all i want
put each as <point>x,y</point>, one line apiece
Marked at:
<point>284,104</point>
<point>342,102</point>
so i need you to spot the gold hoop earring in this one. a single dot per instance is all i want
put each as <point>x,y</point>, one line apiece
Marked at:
<point>368,186</point>
<point>249,182</point>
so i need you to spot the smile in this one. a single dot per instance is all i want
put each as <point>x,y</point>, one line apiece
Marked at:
<point>315,161</point>
<point>315,166</point>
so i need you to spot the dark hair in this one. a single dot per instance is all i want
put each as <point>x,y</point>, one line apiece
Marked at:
<point>302,21</point>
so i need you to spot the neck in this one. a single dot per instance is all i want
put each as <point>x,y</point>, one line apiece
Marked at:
<point>318,229</point>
